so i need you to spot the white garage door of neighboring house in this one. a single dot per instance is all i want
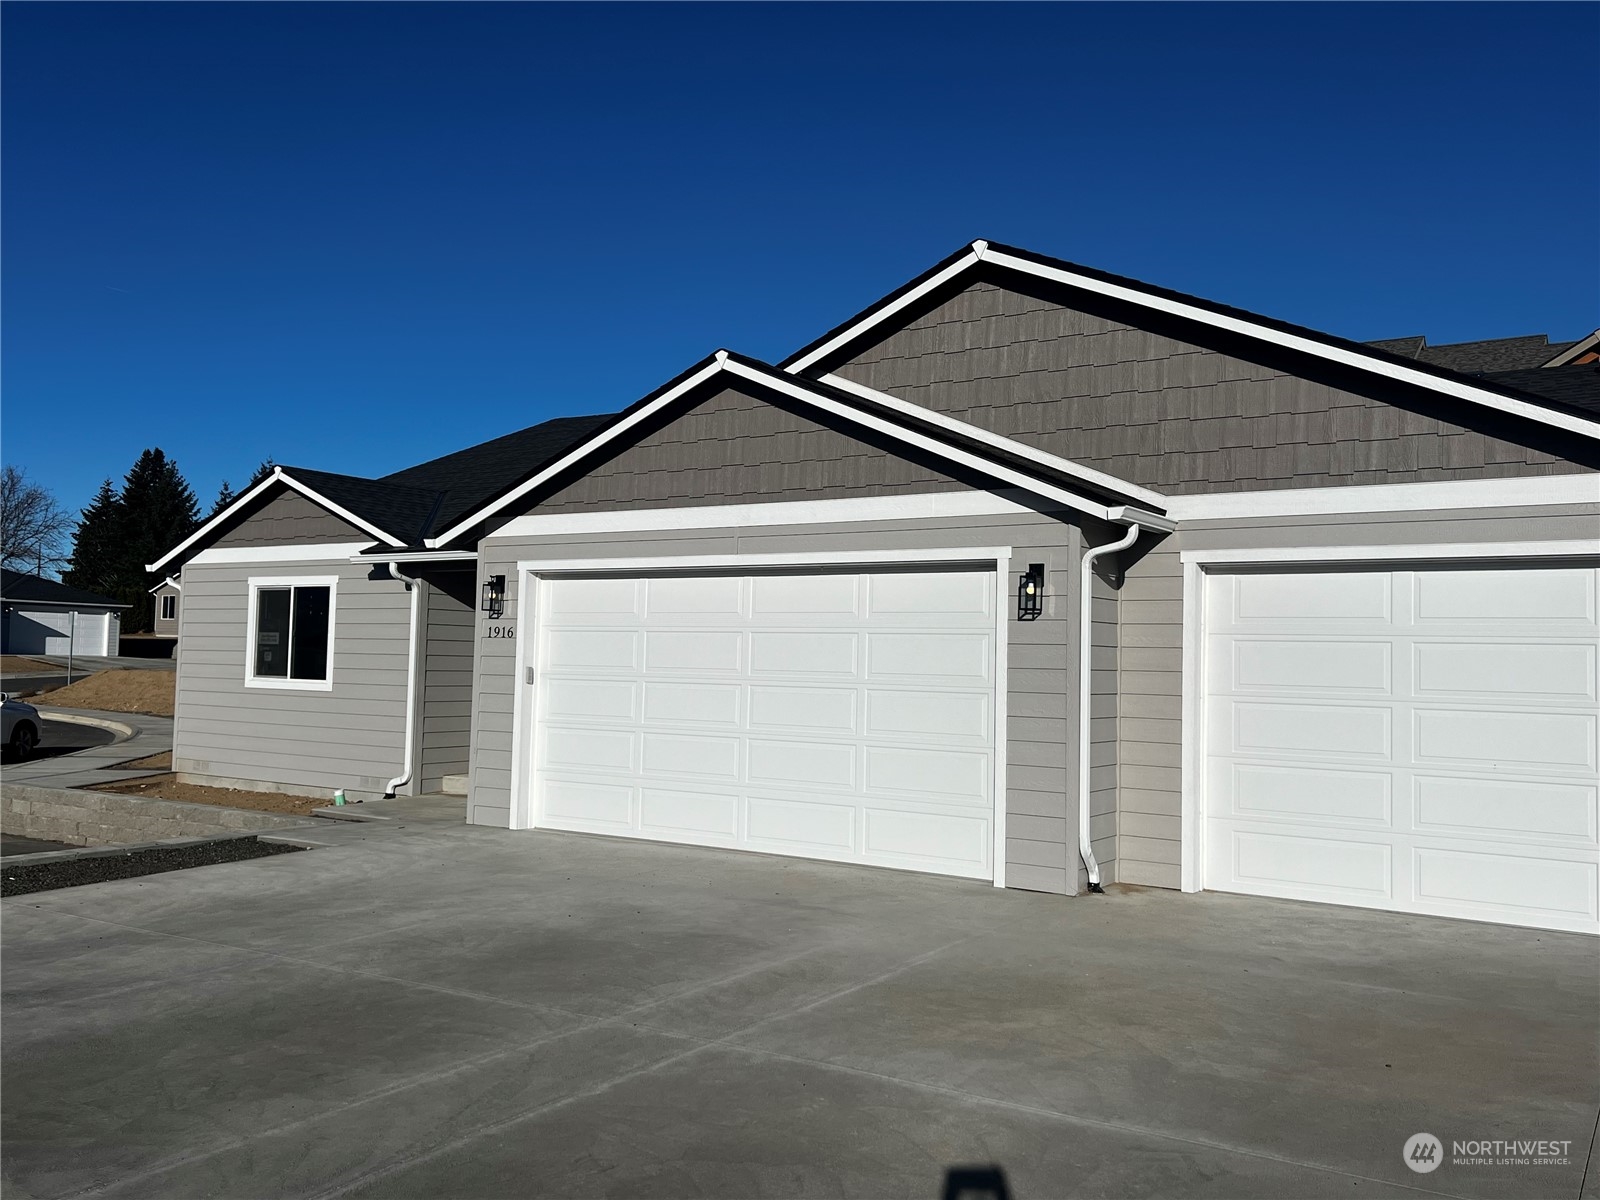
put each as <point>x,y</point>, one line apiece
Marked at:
<point>838,716</point>
<point>1419,740</point>
<point>50,631</point>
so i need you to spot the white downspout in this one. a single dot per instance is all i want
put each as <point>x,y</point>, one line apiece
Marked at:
<point>1085,655</point>
<point>412,586</point>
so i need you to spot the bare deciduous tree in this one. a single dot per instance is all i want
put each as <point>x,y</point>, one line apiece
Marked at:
<point>34,529</point>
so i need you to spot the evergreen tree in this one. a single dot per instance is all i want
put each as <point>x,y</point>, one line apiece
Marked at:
<point>266,468</point>
<point>97,544</point>
<point>225,497</point>
<point>159,511</point>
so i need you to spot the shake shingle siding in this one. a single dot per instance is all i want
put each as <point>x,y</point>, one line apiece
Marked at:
<point>288,518</point>
<point>1163,413</point>
<point>735,448</point>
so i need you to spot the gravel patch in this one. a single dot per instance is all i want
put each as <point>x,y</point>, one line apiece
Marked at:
<point>23,878</point>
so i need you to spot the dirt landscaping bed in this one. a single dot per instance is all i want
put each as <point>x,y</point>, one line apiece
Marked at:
<point>151,762</point>
<point>148,692</point>
<point>167,787</point>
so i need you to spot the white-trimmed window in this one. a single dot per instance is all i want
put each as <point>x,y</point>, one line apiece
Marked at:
<point>291,632</point>
<point>169,607</point>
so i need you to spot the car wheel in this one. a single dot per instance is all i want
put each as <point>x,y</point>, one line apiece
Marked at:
<point>23,740</point>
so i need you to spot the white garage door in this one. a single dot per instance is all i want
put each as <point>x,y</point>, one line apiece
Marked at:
<point>1420,740</point>
<point>50,631</point>
<point>838,716</point>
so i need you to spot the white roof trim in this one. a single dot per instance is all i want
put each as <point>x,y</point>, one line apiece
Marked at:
<point>298,552</point>
<point>421,556</point>
<point>606,437</point>
<point>1577,350</point>
<point>808,396</point>
<point>1528,491</point>
<point>1066,466</point>
<point>277,476</point>
<point>1460,389</point>
<point>169,581</point>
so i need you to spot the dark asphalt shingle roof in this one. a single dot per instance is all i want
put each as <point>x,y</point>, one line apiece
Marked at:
<point>404,512</point>
<point>1478,358</point>
<point>469,478</point>
<point>1576,387</point>
<point>16,586</point>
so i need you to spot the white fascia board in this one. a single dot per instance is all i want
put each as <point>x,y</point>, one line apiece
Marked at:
<point>956,268</point>
<point>305,552</point>
<point>912,437</point>
<point>169,581</point>
<point>992,557</point>
<point>576,454</point>
<point>277,476</point>
<point>1577,350</point>
<point>1031,453</point>
<point>1461,390</point>
<point>1523,492</point>
<point>923,506</point>
<point>417,556</point>
<point>1334,555</point>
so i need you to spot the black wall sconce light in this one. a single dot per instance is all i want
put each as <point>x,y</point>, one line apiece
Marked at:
<point>494,595</point>
<point>1030,593</point>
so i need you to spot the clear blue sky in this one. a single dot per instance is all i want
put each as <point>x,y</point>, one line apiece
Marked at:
<point>354,237</point>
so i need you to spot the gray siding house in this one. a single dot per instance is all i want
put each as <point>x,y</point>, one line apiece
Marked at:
<point>1027,574</point>
<point>169,595</point>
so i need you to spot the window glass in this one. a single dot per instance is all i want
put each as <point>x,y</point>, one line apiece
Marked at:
<point>272,632</point>
<point>309,657</point>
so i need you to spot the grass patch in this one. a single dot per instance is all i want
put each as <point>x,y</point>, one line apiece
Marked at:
<point>12,664</point>
<point>148,692</point>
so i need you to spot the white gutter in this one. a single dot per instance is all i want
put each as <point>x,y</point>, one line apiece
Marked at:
<point>1085,657</point>
<point>413,586</point>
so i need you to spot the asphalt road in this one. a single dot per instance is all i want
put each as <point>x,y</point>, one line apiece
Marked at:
<point>12,843</point>
<point>62,737</point>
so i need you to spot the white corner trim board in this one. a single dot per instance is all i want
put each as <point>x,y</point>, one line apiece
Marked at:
<point>1524,492</point>
<point>303,552</point>
<point>985,437</point>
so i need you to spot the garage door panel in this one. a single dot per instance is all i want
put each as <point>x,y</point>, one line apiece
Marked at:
<point>1311,867</point>
<point>805,654</point>
<point>1518,598</point>
<point>1526,740</point>
<point>1469,790</point>
<point>1279,665</point>
<point>958,845</point>
<point>701,652</point>
<point>803,709</point>
<point>1477,880</point>
<point>676,811</point>
<point>580,601</point>
<point>800,826</point>
<point>740,712</point>
<point>692,703</point>
<point>1505,670</point>
<point>1304,599</point>
<point>1316,795</point>
<point>1505,808</point>
<point>1285,729</point>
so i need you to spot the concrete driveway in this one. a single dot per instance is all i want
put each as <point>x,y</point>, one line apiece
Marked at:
<point>446,1011</point>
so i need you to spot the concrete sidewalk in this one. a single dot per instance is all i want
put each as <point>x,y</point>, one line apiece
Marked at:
<point>432,1009</point>
<point>138,736</point>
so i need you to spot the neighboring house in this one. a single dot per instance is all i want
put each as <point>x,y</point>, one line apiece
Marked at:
<point>1497,354</point>
<point>41,616</point>
<point>1314,619</point>
<point>168,594</point>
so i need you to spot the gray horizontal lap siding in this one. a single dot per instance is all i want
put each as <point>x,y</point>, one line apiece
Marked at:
<point>446,717</point>
<point>1041,850</point>
<point>351,737</point>
<point>1164,413</point>
<point>163,626</point>
<point>288,518</point>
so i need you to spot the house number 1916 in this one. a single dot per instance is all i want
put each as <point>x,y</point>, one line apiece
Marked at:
<point>500,631</point>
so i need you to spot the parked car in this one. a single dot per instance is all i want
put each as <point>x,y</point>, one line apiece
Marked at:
<point>21,728</point>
